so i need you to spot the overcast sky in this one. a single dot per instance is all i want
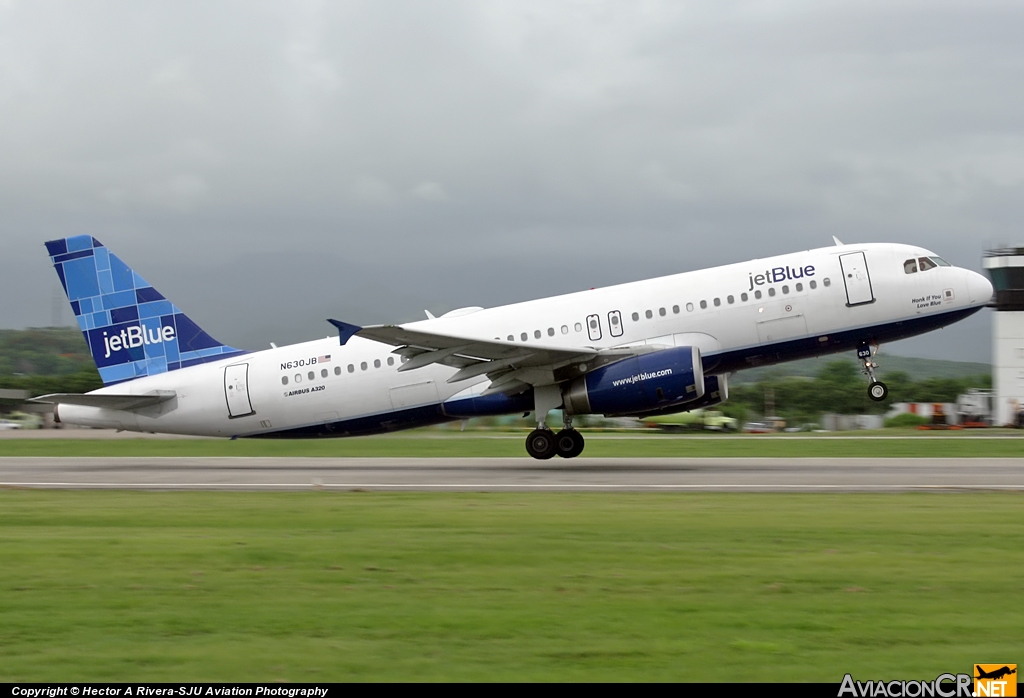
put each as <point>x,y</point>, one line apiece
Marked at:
<point>268,165</point>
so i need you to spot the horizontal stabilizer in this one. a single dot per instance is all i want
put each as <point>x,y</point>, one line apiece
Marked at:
<point>107,401</point>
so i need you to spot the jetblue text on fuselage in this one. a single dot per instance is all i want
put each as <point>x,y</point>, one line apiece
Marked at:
<point>777,274</point>
<point>136,336</point>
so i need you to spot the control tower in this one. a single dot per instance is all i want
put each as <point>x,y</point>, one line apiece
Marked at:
<point>1005,267</point>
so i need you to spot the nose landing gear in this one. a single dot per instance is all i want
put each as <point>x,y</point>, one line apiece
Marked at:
<point>877,390</point>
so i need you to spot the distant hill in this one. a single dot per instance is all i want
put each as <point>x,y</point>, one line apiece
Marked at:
<point>917,369</point>
<point>43,351</point>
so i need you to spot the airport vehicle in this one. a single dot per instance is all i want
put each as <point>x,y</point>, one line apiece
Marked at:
<point>711,420</point>
<point>639,349</point>
<point>974,408</point>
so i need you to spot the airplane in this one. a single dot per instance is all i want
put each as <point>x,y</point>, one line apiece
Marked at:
<point>995,674</point>
<point>650,347</point>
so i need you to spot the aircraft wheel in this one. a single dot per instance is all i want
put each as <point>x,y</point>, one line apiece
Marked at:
<point>569,443</point>
<point>878,391</point>
<point>541,444</point>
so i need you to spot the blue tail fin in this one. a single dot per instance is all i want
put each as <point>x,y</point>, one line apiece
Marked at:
<point>131,329</point>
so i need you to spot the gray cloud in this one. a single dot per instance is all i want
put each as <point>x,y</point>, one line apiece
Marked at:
<point>267,165</point>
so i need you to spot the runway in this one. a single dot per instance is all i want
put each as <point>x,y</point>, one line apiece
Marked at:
<point>517,474</point>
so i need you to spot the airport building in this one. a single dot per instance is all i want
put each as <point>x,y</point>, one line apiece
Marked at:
<point>1005,268</point>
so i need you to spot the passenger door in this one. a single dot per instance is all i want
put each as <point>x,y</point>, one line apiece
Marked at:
<point>856,278</point>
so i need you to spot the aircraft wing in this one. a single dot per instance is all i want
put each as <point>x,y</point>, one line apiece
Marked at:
<point>108,401</point>
<point>512,367</point>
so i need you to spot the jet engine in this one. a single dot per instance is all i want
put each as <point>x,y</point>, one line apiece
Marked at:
<point>639,384</point>
<point>716,390</point>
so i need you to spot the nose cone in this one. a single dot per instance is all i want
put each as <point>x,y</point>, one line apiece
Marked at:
<point>979,288</point>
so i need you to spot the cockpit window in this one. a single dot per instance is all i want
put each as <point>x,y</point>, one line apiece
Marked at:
<point>910,266</point>
<point>926,264</point>
<point>940,261</point>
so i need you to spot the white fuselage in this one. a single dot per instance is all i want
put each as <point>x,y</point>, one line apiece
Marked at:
<point>813,306</point>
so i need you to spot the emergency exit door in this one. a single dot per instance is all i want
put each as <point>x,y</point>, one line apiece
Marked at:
<point>856,278</point>
<point>236,391</point>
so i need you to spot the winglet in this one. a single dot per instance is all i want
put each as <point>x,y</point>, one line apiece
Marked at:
<point>345,330</point>
<point>839,243</point>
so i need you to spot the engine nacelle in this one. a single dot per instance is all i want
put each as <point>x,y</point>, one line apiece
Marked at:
<point>716,390</point>
<point>638,384</point>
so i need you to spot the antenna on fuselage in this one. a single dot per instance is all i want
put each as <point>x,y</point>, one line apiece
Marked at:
<point>430,315</point>
<point>839,243</point>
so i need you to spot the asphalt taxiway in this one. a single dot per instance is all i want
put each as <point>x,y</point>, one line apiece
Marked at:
<point>517,474</point>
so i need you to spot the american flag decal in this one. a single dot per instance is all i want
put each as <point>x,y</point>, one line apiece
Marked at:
<point>323,359</point>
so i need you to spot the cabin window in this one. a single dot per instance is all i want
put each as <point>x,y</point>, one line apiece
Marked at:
<point>744,297</point>
<point>826,281</point>
<point>813,284</point>
<point>730,300</point>
<point>636,317</point>
<point>351,368</point>
<point>551,332</point>
<point>579,327</point>
<point>323,372</point>
<point>718,302</point>
<point>337,370</point>
<point>565,329</point>
<point>391,361</point>
<point>298,378</point>
<point>703,305</point>
<point>799,287</point>
<point>661,312</point>
<point>511,338</point>
<point>523,336</point>
<point>284,380</point>
<point>771,291</point>
<point>362,366</point>
<point>689,307</point>
<point>376,363</point>
<point>757,294</point>
<point>926,264</point>
<point>648,314</point>
<point>536,334</point>
<point>785,289</point>
<point>910,266</point>
<point>311,375</point>
<point>675,309</point>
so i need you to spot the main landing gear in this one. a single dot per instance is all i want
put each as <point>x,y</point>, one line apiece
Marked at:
<point>877,390</point>
<point>542,443</point>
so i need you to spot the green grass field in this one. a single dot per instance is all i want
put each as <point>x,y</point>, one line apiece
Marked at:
<point>447,444</point>
<point>374,586</point>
